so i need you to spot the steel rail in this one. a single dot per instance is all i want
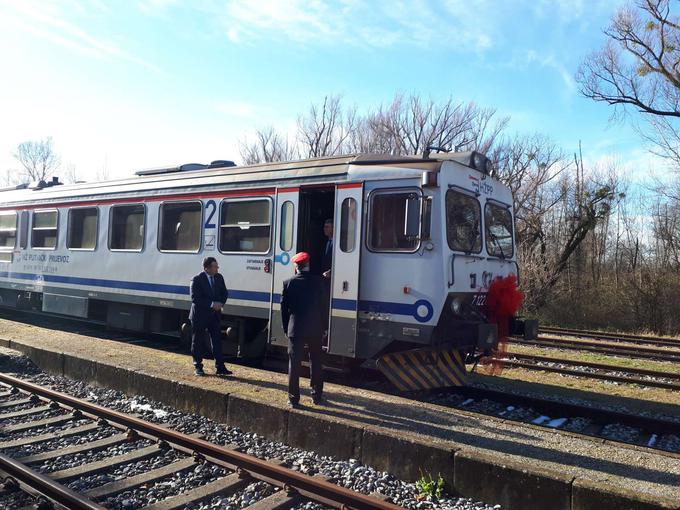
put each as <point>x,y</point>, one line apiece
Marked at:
<point>307,486</point>
<point>590,375</point>
<point>548,405</point>
<point>600,366</point>
<point>621,337</point>
<point>46,486</point>
<point>631,352</point>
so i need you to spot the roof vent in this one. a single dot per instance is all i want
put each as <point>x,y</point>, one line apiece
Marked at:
<point>473,159</point>
<point>219,163</point>
<point>36,185</point>
<point>187,167</point>
<point>13,188</point>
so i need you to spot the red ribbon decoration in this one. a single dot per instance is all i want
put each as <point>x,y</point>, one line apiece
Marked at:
<point>503,300</point>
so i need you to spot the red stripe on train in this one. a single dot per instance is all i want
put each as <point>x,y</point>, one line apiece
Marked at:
<point>138,200</point>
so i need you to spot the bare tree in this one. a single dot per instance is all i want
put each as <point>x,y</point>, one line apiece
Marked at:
<point>8,178</point>
<point>37,158</point>
<point>638,67</point>
<point>326,128</point>
<point>411,124</point>
<point>71,174</point>
<point>268,147</point>
<point>556,209</point>
<point>408,125</point>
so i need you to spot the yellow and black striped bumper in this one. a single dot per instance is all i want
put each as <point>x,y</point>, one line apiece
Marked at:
<point>423,369</point>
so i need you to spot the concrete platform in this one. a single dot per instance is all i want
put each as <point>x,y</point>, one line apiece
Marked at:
<point>497,461</point>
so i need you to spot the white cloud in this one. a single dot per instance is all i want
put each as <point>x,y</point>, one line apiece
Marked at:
<point>48,22</point>
<point>377,24</point>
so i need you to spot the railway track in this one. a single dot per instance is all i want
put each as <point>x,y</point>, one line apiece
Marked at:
<point>614,373</point>
<point>615,337</point>
<point>628,351</point>
<point>567,416</point>
<point>656,433</point>
<point>38,414</point>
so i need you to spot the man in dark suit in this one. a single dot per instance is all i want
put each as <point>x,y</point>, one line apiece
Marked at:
<point>327,251</point>
<point>303,313</point>
<point>208,295</point>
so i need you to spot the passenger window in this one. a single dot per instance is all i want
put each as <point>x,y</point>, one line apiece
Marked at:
<point>180,227</point>
<point>245,226</point>
<point>82,229</point>
<point>392,223</point>
<point>463,222</point>
<point>348,225</point>
<point>498,227</point>
<point>8,230</point>
<point>127,227</point>
<point>286,234</point>
<point>44,231</point>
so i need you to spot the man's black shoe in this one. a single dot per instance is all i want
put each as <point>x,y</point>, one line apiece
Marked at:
<point>294,405</point>
<point>223,371</point>
<point>319,401</point>
<point>199,371</point>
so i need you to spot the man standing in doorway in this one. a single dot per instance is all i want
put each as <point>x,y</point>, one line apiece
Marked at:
<point>327,254</point>
<point>208,295</point>
<point>303,314</point>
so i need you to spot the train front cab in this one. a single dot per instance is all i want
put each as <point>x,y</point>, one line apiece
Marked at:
<point>476,236</point>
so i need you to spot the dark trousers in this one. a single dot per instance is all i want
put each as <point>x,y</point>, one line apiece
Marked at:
<point>296,352</point>
<point>198,344</point>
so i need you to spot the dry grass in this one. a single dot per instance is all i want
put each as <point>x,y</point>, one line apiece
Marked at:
<point>600,393</point>
<point>592,357</point>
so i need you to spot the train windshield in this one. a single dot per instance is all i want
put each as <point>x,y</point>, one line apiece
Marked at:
<point>463,222</point>
<point>498,227</point>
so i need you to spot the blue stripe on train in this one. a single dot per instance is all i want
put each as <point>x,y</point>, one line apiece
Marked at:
<point>339,304</point>
<point>118,284</point>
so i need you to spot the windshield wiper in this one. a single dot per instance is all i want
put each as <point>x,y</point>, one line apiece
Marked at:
<point>497,242</point>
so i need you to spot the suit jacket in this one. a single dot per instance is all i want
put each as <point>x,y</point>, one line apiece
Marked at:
<point>202,297</point>
<point>326,258</point>
<point>304,305</point>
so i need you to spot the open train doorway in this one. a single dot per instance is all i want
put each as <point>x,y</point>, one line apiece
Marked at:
<point>315,234</point>
<point>317,206</point>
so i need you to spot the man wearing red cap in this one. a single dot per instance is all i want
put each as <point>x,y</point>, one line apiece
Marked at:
<point>303,313</point>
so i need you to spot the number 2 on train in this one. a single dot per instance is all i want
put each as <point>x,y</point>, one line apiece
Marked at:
<point>210,208</point>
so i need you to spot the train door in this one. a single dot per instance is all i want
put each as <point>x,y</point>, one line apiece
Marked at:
<point>345,270</point>
<point>285,239</point>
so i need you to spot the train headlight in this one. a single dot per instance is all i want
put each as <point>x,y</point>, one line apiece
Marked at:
<point>457,305</point>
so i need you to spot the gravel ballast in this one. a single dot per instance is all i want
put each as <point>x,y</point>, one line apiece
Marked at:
<point>348,473</point>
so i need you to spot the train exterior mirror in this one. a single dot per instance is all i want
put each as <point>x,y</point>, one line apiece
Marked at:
<point>412,223</point>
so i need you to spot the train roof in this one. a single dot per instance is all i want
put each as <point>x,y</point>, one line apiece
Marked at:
<point>325,169</point>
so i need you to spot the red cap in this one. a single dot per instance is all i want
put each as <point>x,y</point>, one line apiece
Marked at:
<point>300,258</point>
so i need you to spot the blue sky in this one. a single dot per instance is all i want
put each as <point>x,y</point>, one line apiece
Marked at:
<point>136,84</point>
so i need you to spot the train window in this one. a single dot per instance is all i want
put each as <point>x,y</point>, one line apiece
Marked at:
<point>348,224</point>
<point>127,227</point>
<point>391,223</point>
<point>498,228</point>
<point>44,230</point>
<point>180,228</point>
<point>286,234</point>
<point>8,230</point>
<point>463,222</point>
<point>82,228</point>
<point>245,226</point>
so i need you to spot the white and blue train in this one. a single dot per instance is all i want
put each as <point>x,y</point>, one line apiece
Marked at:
<point>417,243</point>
